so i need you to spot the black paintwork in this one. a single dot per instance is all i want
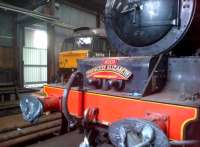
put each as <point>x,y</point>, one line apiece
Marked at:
<point>178,79</point>
<point>141,68</point>
<point>153,27</point>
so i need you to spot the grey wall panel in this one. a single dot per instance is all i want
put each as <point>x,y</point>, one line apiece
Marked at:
<point>76,17</point>
<point>7,58</point>
<point>72,16</point>
<point>7,28</point>
<point>7,48</point>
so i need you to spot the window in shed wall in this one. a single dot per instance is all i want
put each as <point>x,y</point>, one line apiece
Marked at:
<point>35,57</point>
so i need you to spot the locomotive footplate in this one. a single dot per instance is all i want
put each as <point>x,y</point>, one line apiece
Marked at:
<point>177,121</point>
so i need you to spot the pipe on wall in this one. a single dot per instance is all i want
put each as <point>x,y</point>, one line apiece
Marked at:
<point>48,19</point>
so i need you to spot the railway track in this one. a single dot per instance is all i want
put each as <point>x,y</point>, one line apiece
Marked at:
<point>9,109</point>
<point>16,131</point>
<point>9,99</point>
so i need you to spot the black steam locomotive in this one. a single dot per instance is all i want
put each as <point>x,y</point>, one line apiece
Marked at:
<point>151,95</point>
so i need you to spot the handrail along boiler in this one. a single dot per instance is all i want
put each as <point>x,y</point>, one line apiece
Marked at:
<point>148,97</point>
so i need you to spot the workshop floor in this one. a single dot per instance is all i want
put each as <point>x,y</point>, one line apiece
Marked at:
<point>72,139</point>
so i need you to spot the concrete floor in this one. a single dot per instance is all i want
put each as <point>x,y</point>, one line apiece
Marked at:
<point>72,139</point>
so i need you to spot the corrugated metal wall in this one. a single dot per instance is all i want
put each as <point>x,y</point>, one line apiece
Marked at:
<point>6,34</point>
<point>7,48</point>
<point>6,40</point>
<point>75,17</point>
<point>34,57</point>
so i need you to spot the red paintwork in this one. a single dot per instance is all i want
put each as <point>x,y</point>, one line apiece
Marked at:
<point>51,103</point>
<point>110,62</point>
<point>112,109</point>
<point>160,120</point>
<point>75,106</point>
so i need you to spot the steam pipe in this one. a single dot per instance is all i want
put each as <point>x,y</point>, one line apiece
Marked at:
<point>26,12</point>
<point>65,110</point>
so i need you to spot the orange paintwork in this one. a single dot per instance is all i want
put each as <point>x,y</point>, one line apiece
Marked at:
<point>112,108</point>
<point>75,106</point>
<point>69,59</point>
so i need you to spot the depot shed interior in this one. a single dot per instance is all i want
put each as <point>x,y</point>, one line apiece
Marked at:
<point>24,34</point>
<point>156,68</point>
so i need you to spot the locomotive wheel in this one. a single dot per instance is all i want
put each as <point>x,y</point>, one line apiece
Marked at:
<point>137,133</point>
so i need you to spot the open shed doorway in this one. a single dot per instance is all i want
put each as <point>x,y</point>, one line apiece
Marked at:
<point>35,56</point>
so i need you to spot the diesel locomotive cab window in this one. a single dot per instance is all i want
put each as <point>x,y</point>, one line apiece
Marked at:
<point>77,43</point>
<point>143,22</point>
<point>83,42</point>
